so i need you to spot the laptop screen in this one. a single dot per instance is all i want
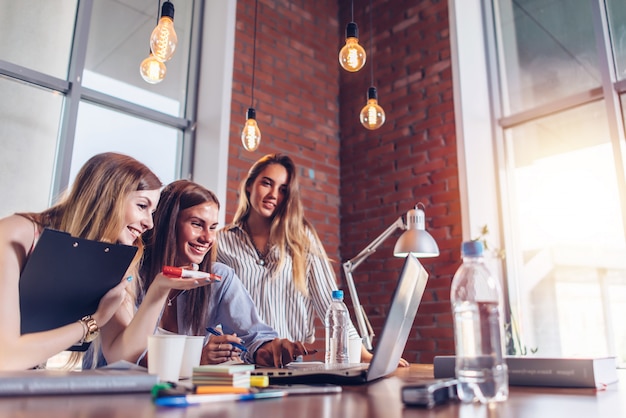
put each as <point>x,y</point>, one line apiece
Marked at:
<point>402,312</point>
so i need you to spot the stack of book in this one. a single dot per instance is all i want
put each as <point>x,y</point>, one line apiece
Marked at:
<point>236,375</point>
<point>590,372</point>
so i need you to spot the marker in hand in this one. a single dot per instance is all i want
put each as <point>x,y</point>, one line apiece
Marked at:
<point>190,274</point>
<point>216,332</point>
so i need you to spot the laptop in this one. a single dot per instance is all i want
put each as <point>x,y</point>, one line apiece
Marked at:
<point>388,350</point>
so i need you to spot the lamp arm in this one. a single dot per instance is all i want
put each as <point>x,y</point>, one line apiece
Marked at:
<point>371,248</point>
<point>349,266</point>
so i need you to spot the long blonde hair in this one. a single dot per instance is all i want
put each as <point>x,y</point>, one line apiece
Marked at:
<point>288,230</point>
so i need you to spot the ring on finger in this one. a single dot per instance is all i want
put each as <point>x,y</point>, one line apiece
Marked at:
<point>218,346</point>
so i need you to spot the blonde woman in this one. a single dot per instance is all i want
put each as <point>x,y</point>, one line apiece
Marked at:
<point>277,254</point>
<point>112,200</point>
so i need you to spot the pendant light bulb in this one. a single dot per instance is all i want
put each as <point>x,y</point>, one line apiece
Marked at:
<point>372,115</point>
<point>163,39</point>
<point>352,56</point>
<point>152,70</point>
<point>251,135</point>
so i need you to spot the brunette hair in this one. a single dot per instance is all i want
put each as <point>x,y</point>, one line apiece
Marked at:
<point>161,245</point>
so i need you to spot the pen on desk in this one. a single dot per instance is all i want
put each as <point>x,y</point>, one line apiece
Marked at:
<point>188,400</point>
<point>215,332</point>
<point>212,390</point>
<point>189,274</point>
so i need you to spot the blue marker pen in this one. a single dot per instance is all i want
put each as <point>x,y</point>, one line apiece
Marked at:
<point>239,346</point>
<point>188,400</point>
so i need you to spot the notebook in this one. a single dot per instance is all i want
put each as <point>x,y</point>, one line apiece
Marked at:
<point>388,350</point>
<point>65,277</point>
<point>65,382</point>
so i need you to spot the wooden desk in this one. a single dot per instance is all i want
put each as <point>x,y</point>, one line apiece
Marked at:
<point>380,399</point>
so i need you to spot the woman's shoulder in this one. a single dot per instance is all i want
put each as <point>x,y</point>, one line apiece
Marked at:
<point>222,269</point>
<point>18,228</point>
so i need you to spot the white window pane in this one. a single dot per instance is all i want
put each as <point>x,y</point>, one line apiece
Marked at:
<point>38,34</point>
<point>548,51</point>
<point>616,10</point>
<point>115,51</point>
<point>29,131</point>
<point>569,232</point>
<point>102,130</point>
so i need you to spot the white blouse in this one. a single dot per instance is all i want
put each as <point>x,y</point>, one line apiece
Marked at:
<point>279,303</point>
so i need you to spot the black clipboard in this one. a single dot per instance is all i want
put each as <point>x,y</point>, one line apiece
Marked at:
<point>65,277</point>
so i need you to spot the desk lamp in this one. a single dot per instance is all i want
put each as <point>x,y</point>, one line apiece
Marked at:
<point>414,240</point>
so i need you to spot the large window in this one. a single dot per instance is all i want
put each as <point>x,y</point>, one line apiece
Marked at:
<point>71,88</point>
<point>557,133</point>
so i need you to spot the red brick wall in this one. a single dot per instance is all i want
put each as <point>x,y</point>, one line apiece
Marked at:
<point>356,182</point>
<point>296,100</point>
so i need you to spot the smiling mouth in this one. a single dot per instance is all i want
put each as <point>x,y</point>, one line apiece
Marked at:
<point>134,232</point>
<point>200,248</point>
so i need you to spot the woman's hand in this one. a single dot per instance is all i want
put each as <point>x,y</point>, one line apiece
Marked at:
<point>219,349</point>
<point>111,302</point>
<point>166,283</point>
<point>279,352</point>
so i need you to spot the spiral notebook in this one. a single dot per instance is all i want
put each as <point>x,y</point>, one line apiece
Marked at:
<point>387,353</point>
<point>65,277</point>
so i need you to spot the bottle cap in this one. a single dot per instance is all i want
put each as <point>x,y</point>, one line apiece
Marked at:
<point>472,249</point>
<point>337,294</point>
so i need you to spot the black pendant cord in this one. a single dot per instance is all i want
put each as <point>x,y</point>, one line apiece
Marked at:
<point>371,48</point>
<point>256,5</point>
<point>158,12</point>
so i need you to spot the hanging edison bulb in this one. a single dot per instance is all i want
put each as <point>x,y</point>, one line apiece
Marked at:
<point>372,115</point>
<point>352,55</point>
<point>163,39</point>
<point>152,70</point>
<point>251,135</point>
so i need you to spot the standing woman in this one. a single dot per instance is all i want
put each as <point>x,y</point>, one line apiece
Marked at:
<point>277,253</point>
<point>111,200</point>
<point>184,235</point>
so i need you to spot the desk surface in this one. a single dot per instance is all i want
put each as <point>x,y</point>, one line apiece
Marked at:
<point>380,399</point>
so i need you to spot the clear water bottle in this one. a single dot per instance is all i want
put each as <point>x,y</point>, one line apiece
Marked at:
<point>336,323</point>
<point>476,298</point>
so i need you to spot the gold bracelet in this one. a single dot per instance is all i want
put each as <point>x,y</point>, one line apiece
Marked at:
<point>85,330</point>
<point>92,329</point>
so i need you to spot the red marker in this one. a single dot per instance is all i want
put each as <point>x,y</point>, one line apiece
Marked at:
<point>189,274</point>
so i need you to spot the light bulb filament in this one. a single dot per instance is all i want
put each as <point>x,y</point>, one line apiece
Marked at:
<point>371,112</point>
<point>251,134</point>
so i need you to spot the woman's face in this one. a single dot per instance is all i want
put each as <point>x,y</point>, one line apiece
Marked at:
<point>268,190</point>
<point>140,205</point>
<point>195,233</point>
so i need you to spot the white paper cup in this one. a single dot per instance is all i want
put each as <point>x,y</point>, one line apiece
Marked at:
<point>354,350</point>
<point>165,355</point>
<point>191,355</point>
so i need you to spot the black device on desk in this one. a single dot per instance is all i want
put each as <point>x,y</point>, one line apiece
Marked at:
<point>65,277</point>
<point>429,394</point>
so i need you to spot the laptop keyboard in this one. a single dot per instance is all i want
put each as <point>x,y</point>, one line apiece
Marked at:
<point>322,366</point>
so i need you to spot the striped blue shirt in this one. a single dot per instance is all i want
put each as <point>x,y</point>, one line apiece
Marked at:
<point>279,303</point>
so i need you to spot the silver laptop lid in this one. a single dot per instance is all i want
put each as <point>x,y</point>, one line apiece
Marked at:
<point>402,311</point>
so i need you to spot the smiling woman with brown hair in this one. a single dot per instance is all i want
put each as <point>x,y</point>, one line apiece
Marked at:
<point>184,235</point>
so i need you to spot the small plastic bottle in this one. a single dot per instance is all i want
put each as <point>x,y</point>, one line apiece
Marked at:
<point>476,298</point>
<point>336,323</point>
